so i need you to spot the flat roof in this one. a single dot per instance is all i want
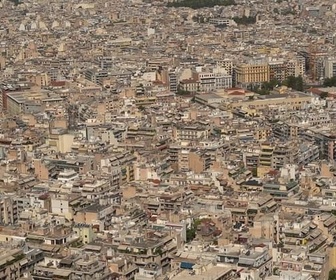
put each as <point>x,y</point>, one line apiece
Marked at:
<point>213,273</point>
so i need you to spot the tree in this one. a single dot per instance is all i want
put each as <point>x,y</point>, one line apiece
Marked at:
<point>265,87</point>
<point>295,83</point>
<point>324,95</point>
<point>332,274</point>
<point>181,91</point>
<point>330,82</point>
<point>245,20</point>
<point>191,232</point>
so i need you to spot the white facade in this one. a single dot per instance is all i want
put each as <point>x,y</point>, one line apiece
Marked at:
<point>217,78</point>
<point>330,68</point>
<point>67,176</point>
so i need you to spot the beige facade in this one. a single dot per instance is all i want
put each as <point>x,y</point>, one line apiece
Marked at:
<point>252,73</point>
<point>290,102</point>
<point>60,142</point>
<point>41,170</point>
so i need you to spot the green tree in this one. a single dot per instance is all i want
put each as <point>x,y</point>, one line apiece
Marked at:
<point>295,83</point>
<point>324,95</point>
<point>330,82</point>
<point>191,232</point>
<point>332,274</point>
<point>181,91</point>
<point>244,20</point>
<point>264,88</point>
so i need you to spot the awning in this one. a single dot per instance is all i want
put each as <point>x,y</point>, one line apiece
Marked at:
<point>186,265</point>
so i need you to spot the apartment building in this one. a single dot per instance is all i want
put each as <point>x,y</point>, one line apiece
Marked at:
<point>106,133</point>
<point>281,190</point>
<point>255,262</point>
<point>190,132</point>
<point>104,62</point>
<point>216,78</point>
<point>227,64</point>
<point>8,210</point>
<point>325,139</point>
<point>222,21</point>
<point>190,85</point>
<point>144,252</point>
<point>330,67</point>
<point>294,153</point>
<point>82,266</point>
<point>172,81</point>
<point>38,78</point>
<point>285,131</point>
<point>265,156</point>
<point>62,204</point>
<point>100,190</point>
<point>96,75</point>
<point>15,263</point>
<point>252,73</point>
<point>278,70</point>
<point>95,214</point>
<point>32,101</point>
<point>60,140</point>
<point>196,161</point>
<point>84,232</point>
<point>120,166</point>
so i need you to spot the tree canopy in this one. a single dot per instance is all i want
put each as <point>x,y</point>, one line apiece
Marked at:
<point>332,274</point>
<point>295,83</point>
<point>245,20</point>
<point>330,82</point>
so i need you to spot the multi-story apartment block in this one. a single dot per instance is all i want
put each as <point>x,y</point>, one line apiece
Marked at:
<point>151,251</point>
<point>252,73</point>
<point>277,70</point>
<point>73,267</point>
<point>227,64</point>
<point>330,67</point>
<point>216,78</point>
<point>8,210</point>
<point>172,81</point>
<point>190,132</point>
<point>104,62</point>
<point>16,264</point>
<point>254,262</point>
<point>191,85</point>
<point>96,75</point>
<point>325,139</point>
